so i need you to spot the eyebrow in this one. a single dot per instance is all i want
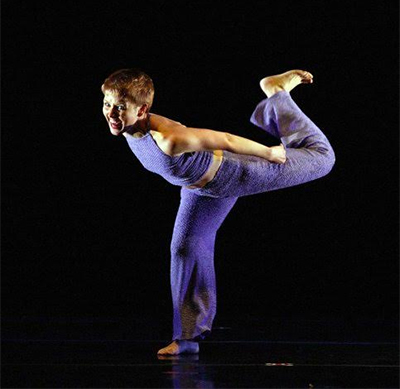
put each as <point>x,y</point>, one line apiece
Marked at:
<point>118,102</point>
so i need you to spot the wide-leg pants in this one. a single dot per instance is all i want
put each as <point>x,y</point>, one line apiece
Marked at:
<point>203,210</point>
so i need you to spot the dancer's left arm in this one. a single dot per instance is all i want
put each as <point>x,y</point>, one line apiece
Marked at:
<point>187,139</point>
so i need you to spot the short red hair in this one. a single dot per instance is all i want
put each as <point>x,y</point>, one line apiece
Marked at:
<point>132,84</point>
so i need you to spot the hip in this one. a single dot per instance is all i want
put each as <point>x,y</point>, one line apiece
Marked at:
<point>211,172</point>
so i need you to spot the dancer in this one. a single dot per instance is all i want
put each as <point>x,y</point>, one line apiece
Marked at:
<point>213,169</point>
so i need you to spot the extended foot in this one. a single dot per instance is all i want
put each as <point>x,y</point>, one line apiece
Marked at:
<point>180,347</point>
<point>285,81</point>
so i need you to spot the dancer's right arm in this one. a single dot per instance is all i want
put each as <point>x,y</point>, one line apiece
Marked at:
<point>187,139</point>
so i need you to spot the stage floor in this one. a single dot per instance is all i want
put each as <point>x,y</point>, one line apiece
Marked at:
<point>49,352</point>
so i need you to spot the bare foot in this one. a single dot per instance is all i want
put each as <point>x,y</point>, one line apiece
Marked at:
<point>285,81</point>
<point>180,347</point>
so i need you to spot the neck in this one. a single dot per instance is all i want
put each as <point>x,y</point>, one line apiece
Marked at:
<point>142,126</point>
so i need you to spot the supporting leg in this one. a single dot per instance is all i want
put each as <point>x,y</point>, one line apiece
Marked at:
<point>193,282</point>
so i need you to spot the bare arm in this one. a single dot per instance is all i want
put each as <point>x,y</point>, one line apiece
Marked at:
<point>187,139</point>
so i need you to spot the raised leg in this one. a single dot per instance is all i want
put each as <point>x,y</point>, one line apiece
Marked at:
<point>193,282</point>
<point>308,151</point>
<point>280,116</point>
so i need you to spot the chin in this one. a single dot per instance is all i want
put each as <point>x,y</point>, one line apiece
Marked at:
<point>116,132</point>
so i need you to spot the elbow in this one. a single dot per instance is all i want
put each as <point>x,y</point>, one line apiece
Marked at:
<point>229,141</point>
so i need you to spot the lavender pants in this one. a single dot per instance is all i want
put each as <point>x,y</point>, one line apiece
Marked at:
<point>203,210</point>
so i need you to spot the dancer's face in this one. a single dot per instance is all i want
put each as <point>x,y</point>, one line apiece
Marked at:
<point>119,113</point>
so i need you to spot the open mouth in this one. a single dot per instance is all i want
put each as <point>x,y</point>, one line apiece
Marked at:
<point>116,125</point>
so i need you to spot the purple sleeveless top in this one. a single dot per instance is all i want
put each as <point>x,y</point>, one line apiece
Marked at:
<point>182,170</point>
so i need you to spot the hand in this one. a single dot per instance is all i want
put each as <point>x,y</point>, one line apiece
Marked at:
<point>277,154</point>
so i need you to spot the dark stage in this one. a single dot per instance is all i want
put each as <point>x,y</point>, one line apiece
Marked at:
<point>307,277</point>
<point>253,353</point>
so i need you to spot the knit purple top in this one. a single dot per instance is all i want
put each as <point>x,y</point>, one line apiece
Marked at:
<point>182,170</point>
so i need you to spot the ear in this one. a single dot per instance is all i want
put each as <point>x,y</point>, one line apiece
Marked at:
<point>143,109</point>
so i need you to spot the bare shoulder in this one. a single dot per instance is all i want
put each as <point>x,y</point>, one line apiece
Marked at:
<point>163,124</point>
<point>174,138</point>
<point>163,131</point>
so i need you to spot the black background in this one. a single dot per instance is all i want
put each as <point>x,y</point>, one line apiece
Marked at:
<point>86,230</point>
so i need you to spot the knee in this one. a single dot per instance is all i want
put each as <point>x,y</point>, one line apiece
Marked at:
<point>180,248</point>
<point>328,160</point>
<point>184,247</point>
